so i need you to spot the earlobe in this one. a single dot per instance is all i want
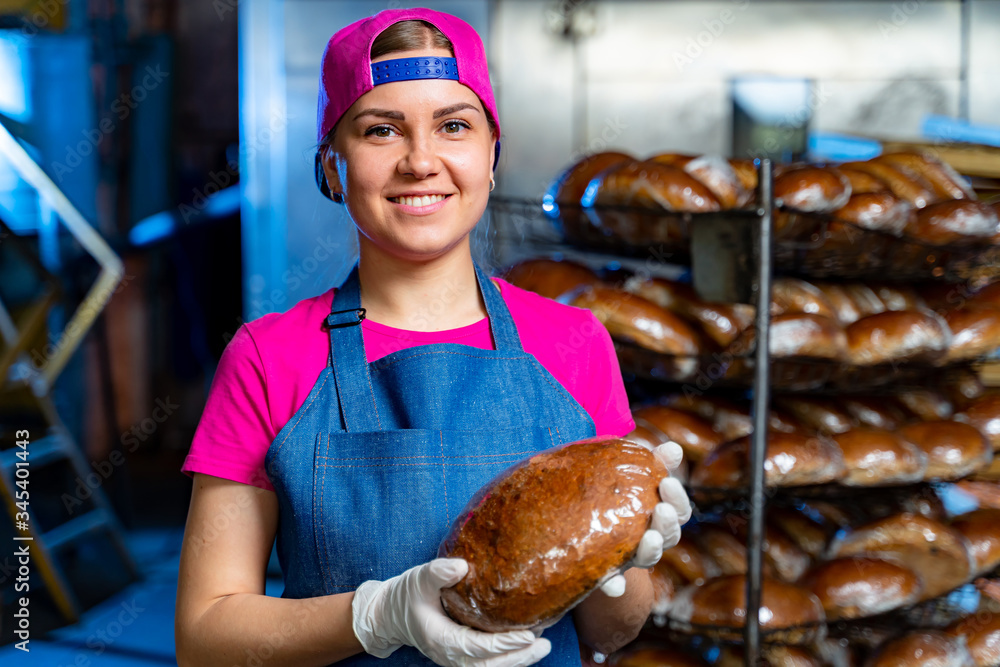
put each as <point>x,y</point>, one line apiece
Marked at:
<point>328,160</point>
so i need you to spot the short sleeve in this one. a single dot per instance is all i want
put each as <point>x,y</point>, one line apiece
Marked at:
<point>604,394</point>
<point>235,432</point>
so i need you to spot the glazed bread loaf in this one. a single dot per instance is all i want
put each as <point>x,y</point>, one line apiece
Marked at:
<point>793,459</point>
<point>858,587</point>
<point>811,189</point>
<point>908,335</point>
<point>811,534</point>
<point>982,634</point>
<point>953,449</point>
<point>630,317</point>
<point>799,335</point>
<point>944,180</point>
<point>908,188</point>
<point>939,553</point>
<point>550,277</point>
<point>721,322</point>
<point>959,222</point>
<point>880,458</point>
<point>655,186</point>
<point>863,182</point>
<point>722,603</point>
<point>695,436</point>
<point>926,648</point>
<point>548,530</point>
<point>792,295</point>
<point>817,413</point>
<point>569,186</point>
<point>653,656</point>
<point>873,412</point>
<point>984,414</point>
<point>987,296</point>
<point>877,211</point>
<point>975,331</point>
<point>981,528</point>
<point>925,404</point>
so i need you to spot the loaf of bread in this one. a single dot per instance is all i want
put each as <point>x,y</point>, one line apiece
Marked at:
<point>964,387</point>
<point>863,182</point>
<point>876,211</point>
<point>953,449</point>
<point>632,318</point>
<point>715,172</point>
<point>981,528</point>
<point>727,552</point>
<point>653,185</point>
<point>719,321</point>
<point>550,277</point>
<point>689,563</point>
<point>792,295</point>
<point>783,559</point>
<point>975,331</point>
<point>982,634</point>
<point>984,414</point>
<point>880,458</point>
<point>845,309</point>
<point>799,335</point>
<point>746,171</point>
<point>695,436</point>
<point>959,222</point>
<point>986,296</point>
<point>569,186</point>
<point>873,412</point>
<point>925,404</point>
<point>820,414</point>
<point>907,187</point>
<point>548,530</point>
<point>938,553</point>
<point>727,418</point>
<point>811,189</point>
<point>924,648</point>
<point>898,297</point>
<point>721,603</point>
<point>944,180</point>
<point>907,335</point>
<point>810,533</point>
<point>793,459</point>
<point>771,655</point>
<point>857,587</point>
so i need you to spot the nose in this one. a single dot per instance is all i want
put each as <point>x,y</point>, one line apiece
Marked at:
<point>421,159</point>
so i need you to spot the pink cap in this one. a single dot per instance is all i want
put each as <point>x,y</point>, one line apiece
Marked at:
<point>346,72</point>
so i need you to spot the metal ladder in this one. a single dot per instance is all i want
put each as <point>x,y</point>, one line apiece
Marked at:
<point>25,401</point>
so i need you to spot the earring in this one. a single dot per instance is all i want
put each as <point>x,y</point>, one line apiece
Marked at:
<point>493,184</point>
<point>337,197</point>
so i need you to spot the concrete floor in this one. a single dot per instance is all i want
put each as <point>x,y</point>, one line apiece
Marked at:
<point>131,628</point>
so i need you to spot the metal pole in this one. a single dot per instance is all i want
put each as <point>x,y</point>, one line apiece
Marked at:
<point>761,400</point>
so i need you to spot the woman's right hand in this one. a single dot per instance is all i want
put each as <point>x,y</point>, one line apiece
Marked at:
<point>406,609</point>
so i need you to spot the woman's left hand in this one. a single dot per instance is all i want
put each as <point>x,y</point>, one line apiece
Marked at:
<point>669,515</point>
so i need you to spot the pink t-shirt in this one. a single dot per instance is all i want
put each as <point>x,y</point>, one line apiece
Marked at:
<point>271,364</point>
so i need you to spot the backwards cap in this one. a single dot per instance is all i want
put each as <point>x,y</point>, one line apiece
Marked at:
<point>347,72</point>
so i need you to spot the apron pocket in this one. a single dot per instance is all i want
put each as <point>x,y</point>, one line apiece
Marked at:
<point>383,501</point>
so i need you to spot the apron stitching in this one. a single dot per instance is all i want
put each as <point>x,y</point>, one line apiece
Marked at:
<point>322,495</point>
<point>397,458</point>
<point>444,479</point>
<point>301,413</point>
<point>374,403</point>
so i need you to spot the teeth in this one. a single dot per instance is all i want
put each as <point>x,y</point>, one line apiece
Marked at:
<point>426,200</point>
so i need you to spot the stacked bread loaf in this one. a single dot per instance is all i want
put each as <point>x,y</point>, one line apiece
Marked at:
<point>861,324</point>
<point>907,194</point>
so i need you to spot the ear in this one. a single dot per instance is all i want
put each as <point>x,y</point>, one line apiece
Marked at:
<point>328,159</point>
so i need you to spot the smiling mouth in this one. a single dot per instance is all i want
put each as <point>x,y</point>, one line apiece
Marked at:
<point>425,200</point>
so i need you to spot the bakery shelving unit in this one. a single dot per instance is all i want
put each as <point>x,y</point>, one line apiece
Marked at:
<point>743,242</point>
<point>732,234</point>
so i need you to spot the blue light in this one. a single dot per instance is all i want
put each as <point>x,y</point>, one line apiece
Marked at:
<point>590,194</point>
<point>152,229</point>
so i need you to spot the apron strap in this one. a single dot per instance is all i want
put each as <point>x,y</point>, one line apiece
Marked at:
<point>347,358</point>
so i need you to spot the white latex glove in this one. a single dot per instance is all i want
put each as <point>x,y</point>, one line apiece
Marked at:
<point>406,609</point>
<point>669,515</point>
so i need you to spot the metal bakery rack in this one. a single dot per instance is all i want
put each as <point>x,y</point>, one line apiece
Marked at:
<point>731,256</point>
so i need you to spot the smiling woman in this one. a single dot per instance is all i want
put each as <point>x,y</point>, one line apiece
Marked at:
<point>370,414</point>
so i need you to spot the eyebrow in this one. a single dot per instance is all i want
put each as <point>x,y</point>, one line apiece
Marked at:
<point>396,115</point>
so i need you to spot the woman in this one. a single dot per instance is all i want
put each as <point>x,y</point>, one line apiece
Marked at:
<point>355,427</point>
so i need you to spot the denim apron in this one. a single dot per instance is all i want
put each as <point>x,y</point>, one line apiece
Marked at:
<point>373,468</point>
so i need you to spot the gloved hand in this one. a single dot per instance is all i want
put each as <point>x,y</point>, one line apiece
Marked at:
<point>668,516</point>
<point>406,609</point>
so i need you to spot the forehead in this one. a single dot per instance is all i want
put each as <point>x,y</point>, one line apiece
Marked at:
<point>417,97</point>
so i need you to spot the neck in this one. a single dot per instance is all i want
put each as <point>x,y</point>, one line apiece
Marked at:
<point>432,295</point>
